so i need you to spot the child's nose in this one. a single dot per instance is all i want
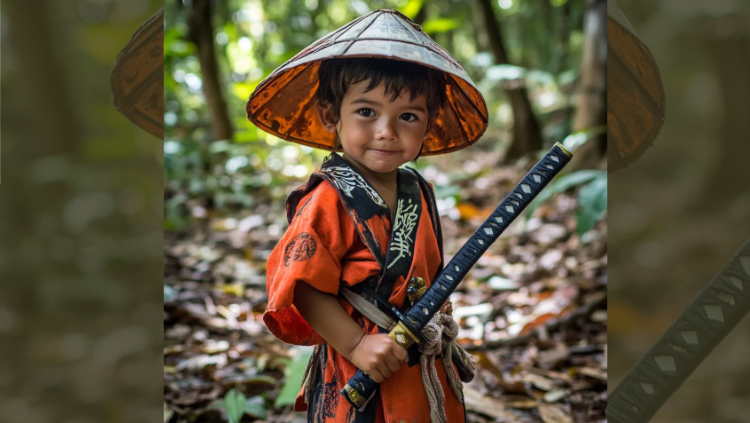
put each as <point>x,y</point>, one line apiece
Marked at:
<point>386,129</point>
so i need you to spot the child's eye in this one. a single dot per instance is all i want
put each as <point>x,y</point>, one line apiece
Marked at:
<point>409,117</point>
<point>366,112</point>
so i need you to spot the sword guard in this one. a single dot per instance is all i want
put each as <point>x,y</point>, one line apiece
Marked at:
<point>403,335</point>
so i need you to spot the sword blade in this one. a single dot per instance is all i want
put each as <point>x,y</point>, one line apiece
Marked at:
<point>704,323</point>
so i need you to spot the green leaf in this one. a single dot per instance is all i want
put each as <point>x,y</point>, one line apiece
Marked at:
<point>436,26</point>
<point>593,201</point>
<point>294,373</point>
<point>243,90</point>
<point>255,407</point>
<point>563,184</point>
<point>412,8</point>
<point>234,405</point>
<point>578,138</point>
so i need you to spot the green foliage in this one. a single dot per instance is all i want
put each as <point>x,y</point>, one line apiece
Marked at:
<point>236,405</point>
<point>592,196</point>
<point>436,26</point>
<point>593,200</point>
<point>255,406</point>
<point>294,373</point>
<point>578,138</point>
<point>254,37</point>
<point>228,175</point>
<point>411,8</point>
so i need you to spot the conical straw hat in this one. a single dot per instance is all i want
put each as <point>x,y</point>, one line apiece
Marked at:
<point>284,103</point>
<point>137,80</point>
<point>635,95</point>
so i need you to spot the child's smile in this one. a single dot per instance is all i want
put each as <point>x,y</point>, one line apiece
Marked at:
<point>379,135</point>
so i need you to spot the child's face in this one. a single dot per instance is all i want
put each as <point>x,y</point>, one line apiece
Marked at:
<point>376,133</point>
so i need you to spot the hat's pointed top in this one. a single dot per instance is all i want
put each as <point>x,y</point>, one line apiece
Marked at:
<point>283,104</point>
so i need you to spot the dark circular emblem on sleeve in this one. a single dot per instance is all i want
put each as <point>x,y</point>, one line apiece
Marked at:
<point>301,248</point>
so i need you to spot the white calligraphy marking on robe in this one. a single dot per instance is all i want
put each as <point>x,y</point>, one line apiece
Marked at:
<point>403,230</point>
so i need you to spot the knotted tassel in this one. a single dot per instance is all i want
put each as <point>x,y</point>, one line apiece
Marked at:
<point>439,334</point>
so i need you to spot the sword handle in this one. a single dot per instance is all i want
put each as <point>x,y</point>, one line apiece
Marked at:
<point>717,309</point>
<point>357,387</point>
<point>361,388</point>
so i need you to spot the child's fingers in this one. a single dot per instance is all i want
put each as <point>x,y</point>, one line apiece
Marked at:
<point>377,376</point>
<point>393,363</point>
<point>400,354</point>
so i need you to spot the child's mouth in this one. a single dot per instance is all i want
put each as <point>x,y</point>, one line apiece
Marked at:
<point>384,152</point>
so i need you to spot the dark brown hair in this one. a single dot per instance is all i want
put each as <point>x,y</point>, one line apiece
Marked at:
<point>336,75</point>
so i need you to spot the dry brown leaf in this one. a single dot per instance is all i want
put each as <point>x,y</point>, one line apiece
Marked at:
<point>538,321</point>
<point>487,364</point>
<point>555,395</point>
<point>518,401</point>
<point>553,357</point>
<point>468,211</point>
<point>552,413</point>
<point>174,349</point>
<point>479,403</point>
<point>592,372</point>
<point>540,382</point>
<point>236,289</point>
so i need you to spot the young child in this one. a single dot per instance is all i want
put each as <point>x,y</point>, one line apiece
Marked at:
<point>382,92</point>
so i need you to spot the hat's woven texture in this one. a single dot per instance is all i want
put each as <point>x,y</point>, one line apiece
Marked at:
<point>284,103</point>
<point>137,80</point>
<point>635,95</point>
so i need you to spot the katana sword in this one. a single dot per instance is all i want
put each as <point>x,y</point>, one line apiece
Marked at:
<point>408,330</point>
<point>717,309</point>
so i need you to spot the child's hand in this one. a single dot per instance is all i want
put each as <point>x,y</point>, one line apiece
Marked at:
<point>378,356</point>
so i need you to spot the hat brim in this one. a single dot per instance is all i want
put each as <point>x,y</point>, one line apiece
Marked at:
<point>137,81</point>
<point>284,103</point>
<point>635,97</point>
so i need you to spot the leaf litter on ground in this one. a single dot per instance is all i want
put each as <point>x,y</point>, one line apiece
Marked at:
<point>532,312</point>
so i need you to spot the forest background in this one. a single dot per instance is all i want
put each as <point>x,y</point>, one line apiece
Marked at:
<point>532,311</point>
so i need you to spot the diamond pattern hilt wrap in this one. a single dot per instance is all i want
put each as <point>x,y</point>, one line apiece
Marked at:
<point>717,309</point>
<point>511,207</point>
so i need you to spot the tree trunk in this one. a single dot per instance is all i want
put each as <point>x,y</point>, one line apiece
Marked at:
<point>726,41</point>
<point>527,134</point>
<point>591,104</point>
<point>55,127</point>
<point>201,33</point>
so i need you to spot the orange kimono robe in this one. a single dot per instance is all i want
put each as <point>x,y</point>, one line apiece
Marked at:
<point>322,247</point>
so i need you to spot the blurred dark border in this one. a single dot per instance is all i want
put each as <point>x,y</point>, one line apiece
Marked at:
<point>680,212</point>
<point>80,221</point>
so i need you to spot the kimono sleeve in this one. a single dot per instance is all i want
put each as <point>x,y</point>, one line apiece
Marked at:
<point>310,251</point>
